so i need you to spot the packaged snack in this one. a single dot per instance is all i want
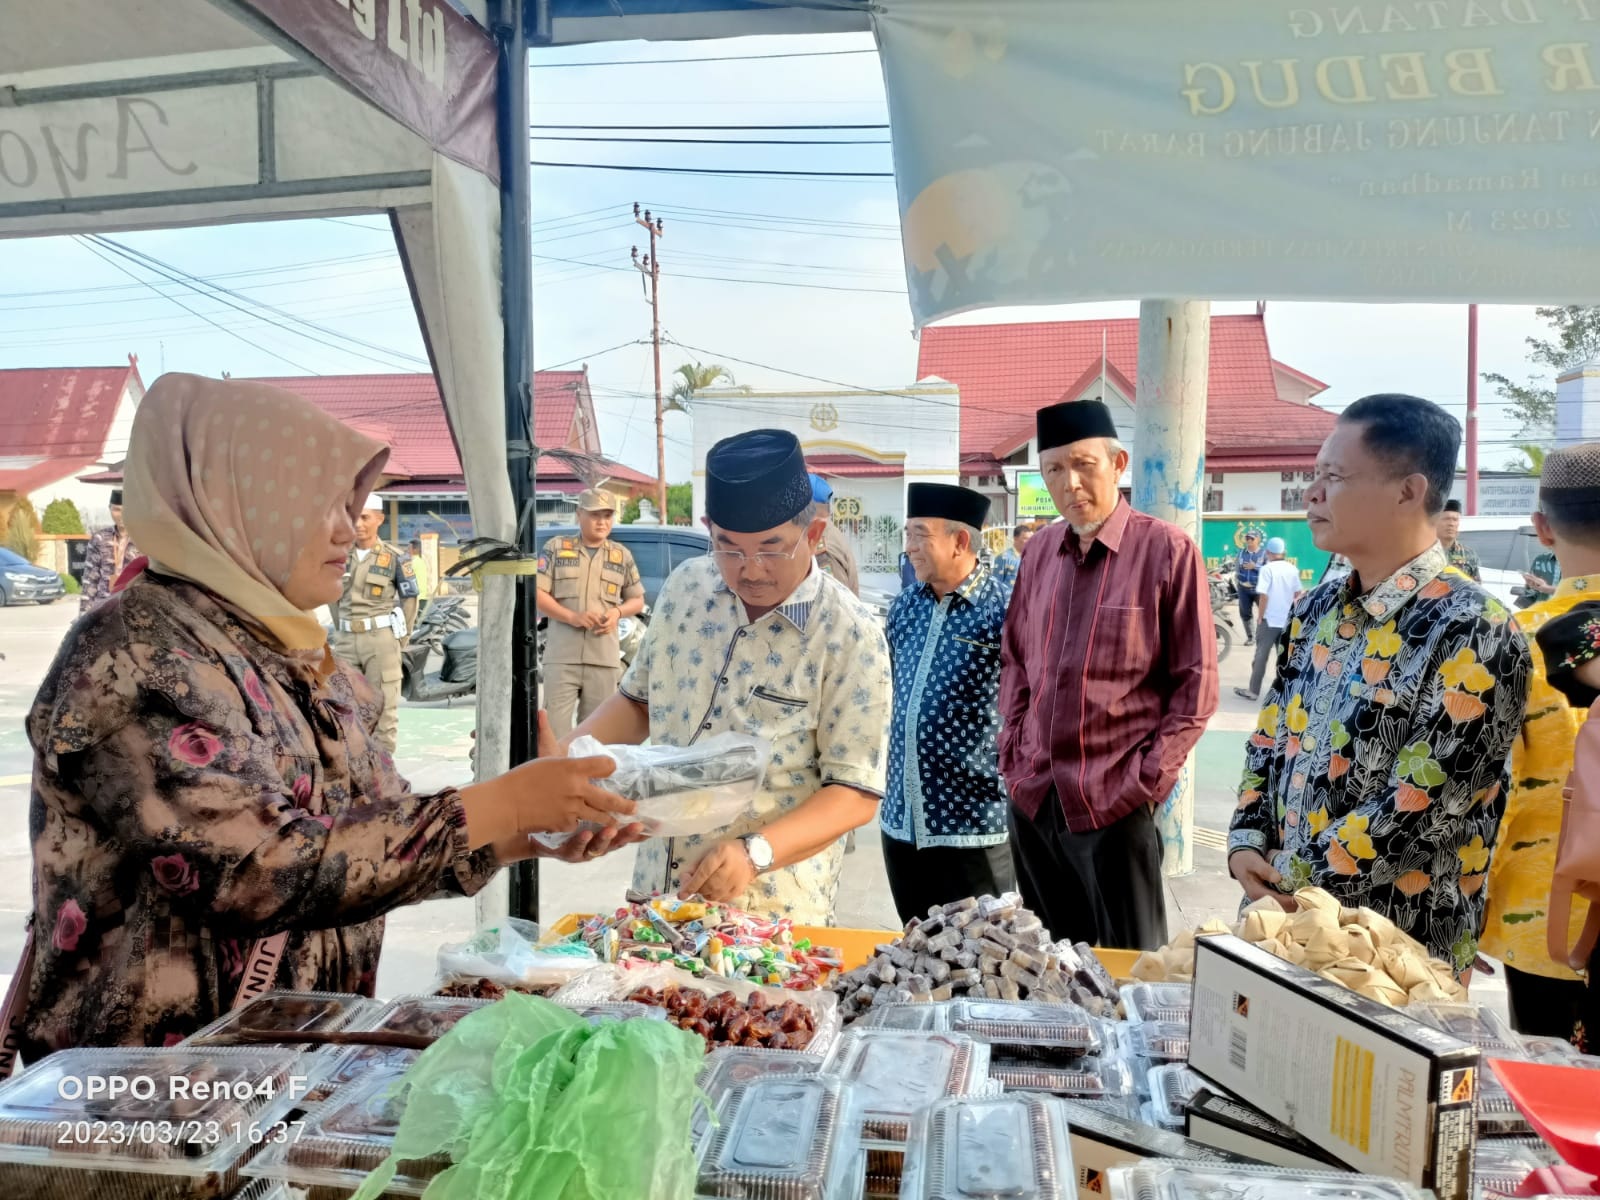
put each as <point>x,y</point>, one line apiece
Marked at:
<point>1103,1139</point>
<point>1092,973</point>
<point>1046,1031</point>
<point>1497,1113</point>
<point>424,1016</point>
<point>509,955</point>
<point>924,1018</point>
<point>980,1148</point>
<point>1159,1042</point>
<point>343,1141</point>
<point>1500,1167</point>
<point>284,1012</point>
<point>1172,1086</point>
<point>1203,1181</point>
<point>897,1073</point>
<point>781,1138</point>
<point>1548,1049</point>
<point>1473,1024</point>
<point>620,1010</point>
<point>1088,1078</point>
<point>735,1066</point>
<point>142,1124</point>
<point>346,1065</point>
<point>1225,1123</point>
<point>1158,1001</point>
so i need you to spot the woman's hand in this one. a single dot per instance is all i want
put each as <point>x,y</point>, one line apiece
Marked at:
<point>1259,878</point>
<point>584,846</point>
<point>723,875</point>
<point>550,795</point>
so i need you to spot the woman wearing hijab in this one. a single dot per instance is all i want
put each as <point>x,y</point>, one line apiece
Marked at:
<point>207,788</point>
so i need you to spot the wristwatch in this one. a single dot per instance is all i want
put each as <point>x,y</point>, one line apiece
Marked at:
<point>759,850</point>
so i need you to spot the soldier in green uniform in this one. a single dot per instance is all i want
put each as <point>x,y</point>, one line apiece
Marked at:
<point>587,584</point>
<point>375,614</point>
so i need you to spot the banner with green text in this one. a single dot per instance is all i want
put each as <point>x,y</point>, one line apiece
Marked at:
<point>1049,151</point>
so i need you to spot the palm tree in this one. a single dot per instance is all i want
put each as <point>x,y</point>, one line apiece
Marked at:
<point>694,378</point>
<point>1532,459</point>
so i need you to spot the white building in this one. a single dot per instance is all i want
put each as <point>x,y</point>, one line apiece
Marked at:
<point>868,444</point>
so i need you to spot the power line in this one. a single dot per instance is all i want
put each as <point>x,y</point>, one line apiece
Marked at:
<point>584,358</point>
<point>712,128</point>
<point>723,171</point>
<point>787,218</point>
<point>689,141</point>
<point>667,62</point>
<point>127,287</point>
<point>824,287</point>
<point>850,237</point>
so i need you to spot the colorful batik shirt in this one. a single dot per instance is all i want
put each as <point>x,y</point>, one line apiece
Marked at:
<point>1465,559</point>
<point>1006,566</point>
<point>944,772</point>
<point>1525,855</point>
<point>812,677</point>
<point>1378,768</point>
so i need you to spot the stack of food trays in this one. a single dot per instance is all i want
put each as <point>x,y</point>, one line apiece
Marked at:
<point>734,1066</point>
<point>1498,1116</point>
<point>783,1137</point>
<point>1172,1086</point>
<point>143,1124</point>
<point>982,1147</point>
<point>1158,1002</point>
<point>1174,1180</point>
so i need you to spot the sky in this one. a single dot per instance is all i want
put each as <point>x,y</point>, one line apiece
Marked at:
<point>777,279</point>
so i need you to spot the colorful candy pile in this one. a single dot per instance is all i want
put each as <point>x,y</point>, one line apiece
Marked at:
<point>708,939</point>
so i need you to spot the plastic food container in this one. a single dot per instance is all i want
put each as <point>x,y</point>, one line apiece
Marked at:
<point>1548,1049</point>
<point>912,1018</point>
<point>1048,1031</point>
<point>982,1148</point>
<point>734,1066</point>
<point>1498,1114</point>
<point>1500,1166</point>
<point>355,1064</point>
<point>426,1016</point>
<point>1092,973</point>
<point>1160,1179</point>
<point>343,1141</point>
<point>1086,1079</point>
<point>781,1139</point>
<point>1159,1042</point>
<point>620,1010</point>
<point>1172,1086</point>
<point>285,1012</point>
<point>1471,1023</point>
<point>897,1073</point>
<point>172,1124</point>
<point>1158,1001</point>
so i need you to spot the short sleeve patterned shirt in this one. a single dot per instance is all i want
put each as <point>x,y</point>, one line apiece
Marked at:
<point>812,677</point>
<point>944,773</point>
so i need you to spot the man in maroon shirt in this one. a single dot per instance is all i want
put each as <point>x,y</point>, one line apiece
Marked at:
<point>1108,676</point>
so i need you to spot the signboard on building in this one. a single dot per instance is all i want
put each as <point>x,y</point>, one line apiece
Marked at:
<point>1222,536</point>
<point>1507,496</point>
<point>1033,498</point>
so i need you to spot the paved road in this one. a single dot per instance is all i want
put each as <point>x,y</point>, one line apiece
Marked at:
<point>434,744</point>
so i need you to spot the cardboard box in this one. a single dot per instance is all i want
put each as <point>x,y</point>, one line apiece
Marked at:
<point>1380,1091</point>
<point>1101,1141</point>
<point>1226,1124</point>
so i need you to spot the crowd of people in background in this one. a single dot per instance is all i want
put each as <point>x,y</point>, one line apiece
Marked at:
<point>215,785</point>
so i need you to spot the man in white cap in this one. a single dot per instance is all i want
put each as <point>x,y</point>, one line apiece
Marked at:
<point>587,584</point>
<point>375,614</point>
<point>1277,588</point>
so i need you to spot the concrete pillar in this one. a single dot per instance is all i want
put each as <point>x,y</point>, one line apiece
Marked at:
<point>1169,445</point>
<point>1578,405</point>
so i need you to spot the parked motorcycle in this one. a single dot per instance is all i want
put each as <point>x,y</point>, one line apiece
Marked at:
<point>443,629</point>
<point>1224,603</point>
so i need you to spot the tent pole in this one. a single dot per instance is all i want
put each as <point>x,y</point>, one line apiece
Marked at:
<point>506,19</point>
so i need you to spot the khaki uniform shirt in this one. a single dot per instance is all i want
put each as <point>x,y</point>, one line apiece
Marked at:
<point>586,580</point>
<point>378,583</point>
<point>837,558</point>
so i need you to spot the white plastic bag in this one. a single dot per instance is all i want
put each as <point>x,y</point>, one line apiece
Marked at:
<point>681,789</point>
<point>509,954</point>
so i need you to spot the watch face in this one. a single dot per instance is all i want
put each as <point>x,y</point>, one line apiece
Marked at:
<point>760,851</point>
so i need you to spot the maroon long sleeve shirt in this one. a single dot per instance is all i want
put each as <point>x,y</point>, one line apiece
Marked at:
<point>1108,668</point>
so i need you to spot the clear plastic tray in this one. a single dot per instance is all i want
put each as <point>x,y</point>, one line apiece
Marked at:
<point>735,1066</point>
<point>1089,971</point>
<point>914,1018</point>
<point>1164,1180</point>
<point>427,1016</point>
<point>1150,1114</point>
<point>170,1124</point>
<point>285,1012</point>
<point>620,1010</point>
<point>897,1073</point>
<point>344,1140</point>
<point>266,1189</point>
<point>1473,1024</point>
<point>1159,1042</point>
<point>1086,1079</point>
<point>781,1139</point>
<point>354,1064</point>
<point>1043,1030</point>
<point>1500,1166</point>
<point>1497,1113</point>
<point>983,1148</point>
<point>1158,1001</point>
<point>1172,1086</point>
<point>1548,1049</point>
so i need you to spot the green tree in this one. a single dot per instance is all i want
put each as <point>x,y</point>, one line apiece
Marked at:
<point>22,530</point>
<point>680,505</point>
<point>63,517</point>
<point>1532,460</point>
<point>694,378</point>
<point>1574,339</point>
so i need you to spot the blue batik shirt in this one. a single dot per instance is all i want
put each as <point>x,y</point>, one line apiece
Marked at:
<point>1007,565</point>
<point>944,785</point>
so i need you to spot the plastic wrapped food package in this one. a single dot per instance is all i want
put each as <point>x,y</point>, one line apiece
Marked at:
<point>1158,1001</point>
<point>1174,1180</point>
<point>896,1073</point>
<point>424,1016</point>
<point>172,1124</point>
<point>346,1065</point>
<point>924,1018</point>
<point>510,955</point>
<point>1046,1031</point>
<point>1172,1086</point>
<point>1497,1113</point>
<point>1159,1041</point>
<point>620,1010</point>
<point>285,1012</point>
<point>735,1066</point>
<point>267,1189</point>
<point>345,1140</point>
<point>1548,1049</point>
<point>980,1148</point>
<point>680,790</point>
<point>780,1138</point>
<point>1474,1024</point>
<point>1086,1079</point>
<point>1500,1166</point>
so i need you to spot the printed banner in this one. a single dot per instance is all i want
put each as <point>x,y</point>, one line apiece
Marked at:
<point>1222,537</point>
<point>1414,150</point>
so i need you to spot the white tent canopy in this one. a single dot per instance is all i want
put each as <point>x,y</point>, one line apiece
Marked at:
<point>159,113</point>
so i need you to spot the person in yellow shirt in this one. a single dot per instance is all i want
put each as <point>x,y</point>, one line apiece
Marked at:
<point>1545,997</point>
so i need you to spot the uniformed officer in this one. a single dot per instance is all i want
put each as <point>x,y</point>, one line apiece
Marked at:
<point>587,584</point>
<point>833,553</point>
<point>375,614</point>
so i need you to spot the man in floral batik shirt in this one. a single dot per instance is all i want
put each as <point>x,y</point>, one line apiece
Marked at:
<point>1378,768</point>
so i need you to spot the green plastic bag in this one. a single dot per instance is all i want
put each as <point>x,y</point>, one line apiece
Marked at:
<point>531,1102</point>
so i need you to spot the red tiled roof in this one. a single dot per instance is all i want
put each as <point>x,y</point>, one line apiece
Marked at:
<point>61,415</point>
<point>1289,460</point>
<point>853,466</point>
<point>1310,381</point>
<point>1007,372</point>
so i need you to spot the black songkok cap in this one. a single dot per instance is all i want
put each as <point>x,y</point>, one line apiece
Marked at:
<point>1073,421</point>
<point>756,481</point>
<point>116,497</point>
<point>942,501</point>
<point>1452,506</point>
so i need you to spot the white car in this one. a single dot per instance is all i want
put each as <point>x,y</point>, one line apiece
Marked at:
<point>1506,547</point>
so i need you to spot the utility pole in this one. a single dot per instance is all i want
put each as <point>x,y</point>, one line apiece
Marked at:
<point>650,268</point>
